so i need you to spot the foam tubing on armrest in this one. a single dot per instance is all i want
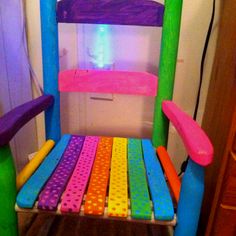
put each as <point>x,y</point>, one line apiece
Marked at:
<point>30,168</point>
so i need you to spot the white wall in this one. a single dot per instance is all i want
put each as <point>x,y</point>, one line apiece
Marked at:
<point>134,50</point>
<point>15,83</point>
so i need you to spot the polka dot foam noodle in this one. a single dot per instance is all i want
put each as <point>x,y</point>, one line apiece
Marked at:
<point>73,195</point>
<point>51,194</point>
<point>118,190</point>
<point>96,194</point>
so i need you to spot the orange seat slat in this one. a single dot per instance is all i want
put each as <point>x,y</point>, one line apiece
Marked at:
<point>97,189</point>
<point>170,171</point>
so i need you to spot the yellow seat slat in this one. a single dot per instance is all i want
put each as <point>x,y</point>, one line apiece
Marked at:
<point>118,189</point>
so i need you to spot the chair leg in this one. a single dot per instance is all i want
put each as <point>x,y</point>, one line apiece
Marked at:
<point>190,201</point>
<point>8,216</point>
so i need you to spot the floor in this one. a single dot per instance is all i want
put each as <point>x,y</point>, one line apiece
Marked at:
<point>52,225</point>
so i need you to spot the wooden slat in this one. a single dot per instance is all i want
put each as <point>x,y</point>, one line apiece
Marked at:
<point>15,119</point>
<point>97,190</point>
<point>102,81</point>
<point>171,174</point>
<point>196,142</point>
<point>105,216</point>
<point>52,191</point>
<point>139,195</point>
<point>118,189</point>
<point>29,192</point>
<point>162,202</point>
<point>73,195</point>
<point>122,12</point>
<point>16,86</point>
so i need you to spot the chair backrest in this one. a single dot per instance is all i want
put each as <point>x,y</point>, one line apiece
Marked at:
<point>121,12</point>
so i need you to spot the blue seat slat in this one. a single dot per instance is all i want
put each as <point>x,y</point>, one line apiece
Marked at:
<point>31,189</point>
<point>162,202</point>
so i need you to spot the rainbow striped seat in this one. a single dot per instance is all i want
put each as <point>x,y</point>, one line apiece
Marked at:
<point>110,178</point>
<point>103,176</point>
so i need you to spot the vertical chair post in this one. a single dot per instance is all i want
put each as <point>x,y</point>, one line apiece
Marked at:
<point>8,217</point>
<point>167,65</point>
<point>190,201</point>
<point>50,55</point>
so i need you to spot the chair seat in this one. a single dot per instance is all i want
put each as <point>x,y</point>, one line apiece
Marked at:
<point>105,177</point>
<point>104,216</point>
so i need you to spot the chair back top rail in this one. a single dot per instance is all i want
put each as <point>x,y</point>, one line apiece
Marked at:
<point>122,12</point>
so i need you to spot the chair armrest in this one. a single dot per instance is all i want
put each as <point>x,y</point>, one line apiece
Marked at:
<point>12,121</point>
<point>194,138</point>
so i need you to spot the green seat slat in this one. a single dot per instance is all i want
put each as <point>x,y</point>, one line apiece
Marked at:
<point>162,202</point>
<point>139,195</point>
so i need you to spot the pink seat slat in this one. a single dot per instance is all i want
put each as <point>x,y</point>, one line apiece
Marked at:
<point>51,194</point>
<point>73,195</point>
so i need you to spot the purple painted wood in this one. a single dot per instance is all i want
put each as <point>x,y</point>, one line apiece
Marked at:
<point>117,12</point>
<point>15,83</point>
<point>52,191</point>
<point>12,121</point>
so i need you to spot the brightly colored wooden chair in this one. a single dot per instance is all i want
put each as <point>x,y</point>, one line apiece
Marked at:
<point>73,177</point>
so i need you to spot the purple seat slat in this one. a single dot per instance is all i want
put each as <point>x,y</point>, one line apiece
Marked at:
<point>52,191</point>
<point>12,121</point>
<point>118,12</point>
